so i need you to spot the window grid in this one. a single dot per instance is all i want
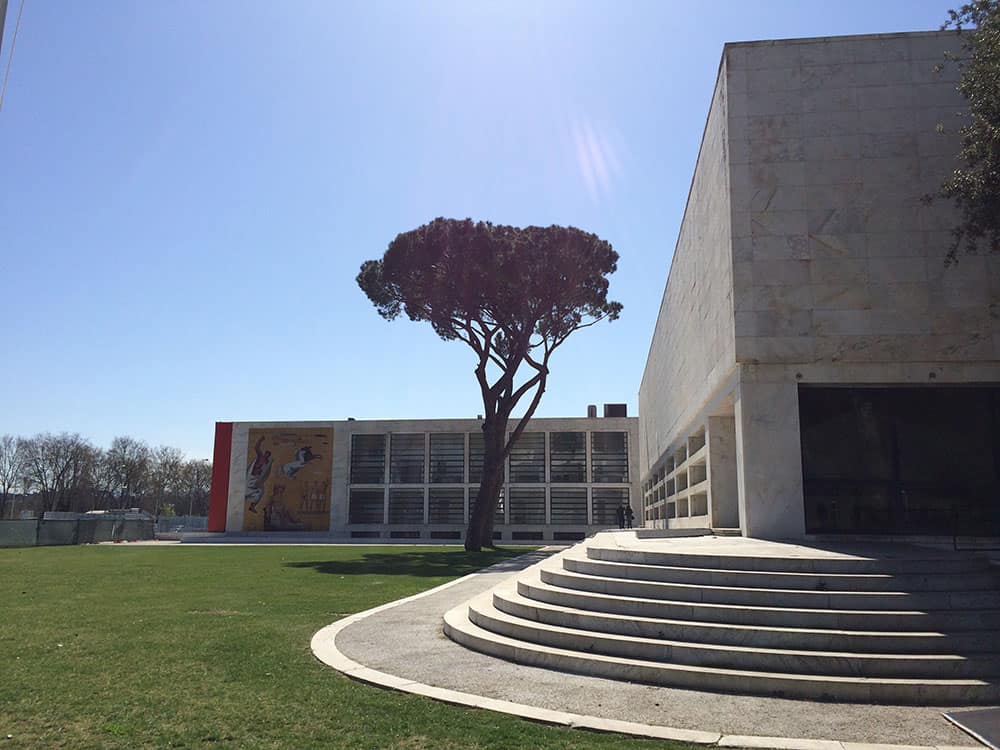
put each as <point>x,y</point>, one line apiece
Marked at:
<point>476,449</point>
<point>446,505</point>
<point>527,505</point>
<point>367,459</point>
<point>609,457</point>
<point>568,457</point>
<point>406,458</point>
<point>366,506</point>
<point>447,458</point>
<point>527,458</point>
<point>406,506</point>
<point>569,505</point>
<point>430,458</point>
<point>605,500</point>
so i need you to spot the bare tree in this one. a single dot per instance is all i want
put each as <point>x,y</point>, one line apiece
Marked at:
<point>60,468</point>
<point>197,485</point>
<point>103,481</point>
<point>11,469</point>
<point>166,476</point>
<point>128,465</point>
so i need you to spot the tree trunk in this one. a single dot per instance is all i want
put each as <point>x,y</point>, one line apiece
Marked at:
<point>479,534</point>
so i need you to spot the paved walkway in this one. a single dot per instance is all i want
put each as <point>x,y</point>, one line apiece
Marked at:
<point>401,645</point>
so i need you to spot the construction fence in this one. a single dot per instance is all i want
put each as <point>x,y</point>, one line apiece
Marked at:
<point>45,532</point>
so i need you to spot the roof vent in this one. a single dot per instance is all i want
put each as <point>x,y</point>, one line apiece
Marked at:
<point>616,410</point>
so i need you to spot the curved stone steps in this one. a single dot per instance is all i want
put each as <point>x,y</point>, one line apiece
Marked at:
<point>986,580</point>
<point>833,626</point>
<point>738,595</point>
<point>461,629</point>
<point>757,636</point>
<point>909,620</point>
<point>927,563</point>
<point>754,659</point>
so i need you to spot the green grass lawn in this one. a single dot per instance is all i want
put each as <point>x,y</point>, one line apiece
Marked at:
<point>186,646</point>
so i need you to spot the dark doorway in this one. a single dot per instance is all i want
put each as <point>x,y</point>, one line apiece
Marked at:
<point>901,460</point>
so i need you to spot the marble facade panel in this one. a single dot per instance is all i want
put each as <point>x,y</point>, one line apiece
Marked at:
<point>769,464</point>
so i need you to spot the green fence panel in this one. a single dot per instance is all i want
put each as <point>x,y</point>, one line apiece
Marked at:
<point>56,532</point>
<point>18,533</point>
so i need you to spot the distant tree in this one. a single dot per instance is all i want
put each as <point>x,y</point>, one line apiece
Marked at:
<point>104,483</point>
<point>128,462</point>
<point>61,469</point>
<point>514,296</point>
<point>166,476</point>
<point>11,468</point>
<point>196,486</point>
<point>975,186</point>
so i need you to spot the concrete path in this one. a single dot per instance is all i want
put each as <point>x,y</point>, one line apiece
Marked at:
<point>401,645</point>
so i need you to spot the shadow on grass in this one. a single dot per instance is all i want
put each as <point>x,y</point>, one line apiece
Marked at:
<point>429,563</point>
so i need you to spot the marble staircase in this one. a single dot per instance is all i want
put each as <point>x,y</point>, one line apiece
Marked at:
<point>888,624</point>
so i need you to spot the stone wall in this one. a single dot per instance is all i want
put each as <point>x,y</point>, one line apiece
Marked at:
<point>692,351</point>
<point>837,259</point>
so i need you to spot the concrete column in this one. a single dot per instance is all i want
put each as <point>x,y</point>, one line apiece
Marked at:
<point>769,460</point>
<point>340,493</point>
<point>724,509</point>
<point>237,477</point>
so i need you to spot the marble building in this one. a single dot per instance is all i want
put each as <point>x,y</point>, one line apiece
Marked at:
<point>816,366</point>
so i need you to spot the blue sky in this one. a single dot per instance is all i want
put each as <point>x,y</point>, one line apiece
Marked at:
<point>187,190</point>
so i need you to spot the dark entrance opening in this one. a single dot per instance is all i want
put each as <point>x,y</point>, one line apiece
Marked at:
<point>901,460</point>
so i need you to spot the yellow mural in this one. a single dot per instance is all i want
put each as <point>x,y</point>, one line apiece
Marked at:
<point>288,480</point>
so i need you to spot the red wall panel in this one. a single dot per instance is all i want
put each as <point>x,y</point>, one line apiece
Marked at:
<point>219,497</point>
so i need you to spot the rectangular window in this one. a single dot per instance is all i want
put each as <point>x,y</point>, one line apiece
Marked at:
<point>568,456</point>
<point>609,456</point>
<point>527,505</point>
<point>406,458</point>
<point>366,506</point>
<point>476,448</point>
<point>605,500</point>
<point>569,505</point>
<point>446,505</point>
<point>367,459</point>
<point>406,506</point>
<point>901,460</point>
<point>447,458</point>
<point>527,458</point>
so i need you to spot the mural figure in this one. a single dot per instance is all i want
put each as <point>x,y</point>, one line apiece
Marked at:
<point>279,516</point>
<point>257,474</point>
<point>267,506</point>
<point>302,457</point>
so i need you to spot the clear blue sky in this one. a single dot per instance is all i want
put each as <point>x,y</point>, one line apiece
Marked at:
<point>187,190</point>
